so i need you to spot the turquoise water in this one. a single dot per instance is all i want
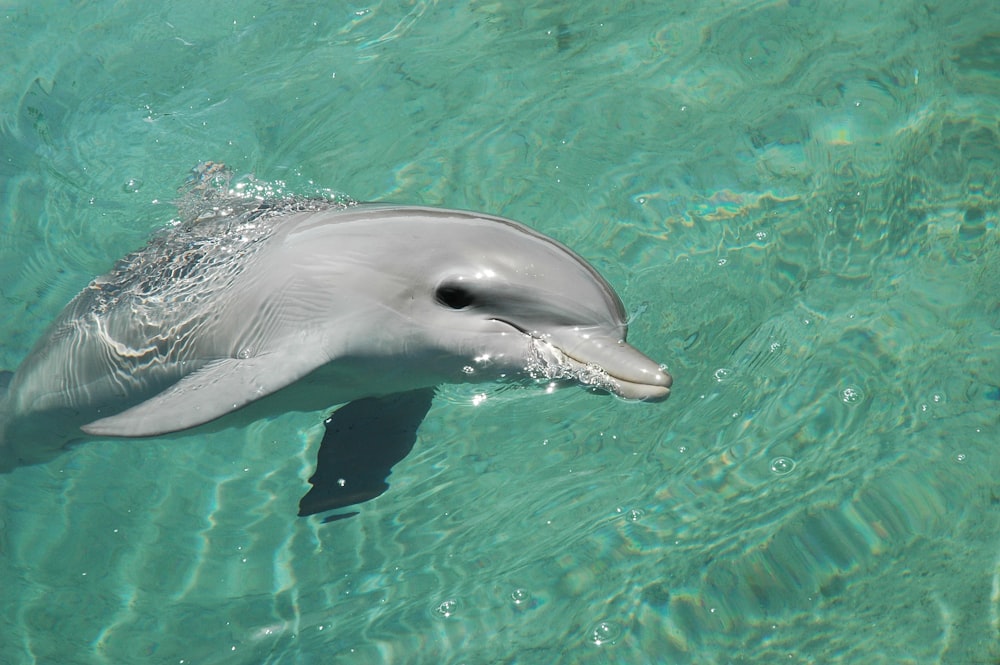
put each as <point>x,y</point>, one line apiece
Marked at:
<point>798,202</point>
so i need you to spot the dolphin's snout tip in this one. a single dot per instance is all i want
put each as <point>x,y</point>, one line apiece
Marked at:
<point>642,392</point>
<point>657,394</point>
<point>654,387</point>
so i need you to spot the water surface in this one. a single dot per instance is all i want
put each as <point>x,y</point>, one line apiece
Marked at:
<point>797,200</point>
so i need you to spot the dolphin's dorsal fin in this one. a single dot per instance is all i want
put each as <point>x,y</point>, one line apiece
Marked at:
<point>216,389</point>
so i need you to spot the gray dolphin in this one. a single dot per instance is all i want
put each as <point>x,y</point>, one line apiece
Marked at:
<point>302,305</point>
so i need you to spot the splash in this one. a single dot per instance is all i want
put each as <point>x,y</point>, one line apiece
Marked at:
<point>212,191</point>
<point>546,362</point>
<point>221,220</point>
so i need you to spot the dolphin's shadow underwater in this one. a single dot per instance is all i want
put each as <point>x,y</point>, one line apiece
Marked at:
<point>251,307</point>
<point>360,447</point>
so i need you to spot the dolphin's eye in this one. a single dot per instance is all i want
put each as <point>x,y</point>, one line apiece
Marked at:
<point>454,296</point>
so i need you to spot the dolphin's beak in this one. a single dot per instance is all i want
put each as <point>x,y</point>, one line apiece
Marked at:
<point>606,362</point>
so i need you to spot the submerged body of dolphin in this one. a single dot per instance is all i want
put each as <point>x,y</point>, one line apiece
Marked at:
<point>303,305</point>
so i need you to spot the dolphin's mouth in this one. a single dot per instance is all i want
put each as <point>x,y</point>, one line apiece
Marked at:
<point>596,361</point>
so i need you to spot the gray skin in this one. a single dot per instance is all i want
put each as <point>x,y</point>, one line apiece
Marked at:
<point>302,307</point>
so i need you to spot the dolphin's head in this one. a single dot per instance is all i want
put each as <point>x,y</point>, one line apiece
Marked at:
<point>497,298</point>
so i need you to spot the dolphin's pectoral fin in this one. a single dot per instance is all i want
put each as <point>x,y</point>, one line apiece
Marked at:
<point>216,389</point>
<point>363,440</point>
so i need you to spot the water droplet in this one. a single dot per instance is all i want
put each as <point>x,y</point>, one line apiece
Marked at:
<point>132,185</point>
<point>782,466</point>
<point>446,609</point>
<point>605,632</point>
<point>852,395</point>
<point>634,515</point>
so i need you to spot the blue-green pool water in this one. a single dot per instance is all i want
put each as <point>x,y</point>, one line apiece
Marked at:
<point>798,201</point>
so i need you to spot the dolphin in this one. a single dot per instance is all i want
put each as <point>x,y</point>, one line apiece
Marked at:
<point>261,307</point>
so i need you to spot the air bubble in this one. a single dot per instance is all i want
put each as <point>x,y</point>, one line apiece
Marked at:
<point>634,515</point>
<point>782,466</point>
<point>605,632</point>
<point>852,395</point>
<point>446,609</point>
<point>722,374</point>
<point>520,597</point>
